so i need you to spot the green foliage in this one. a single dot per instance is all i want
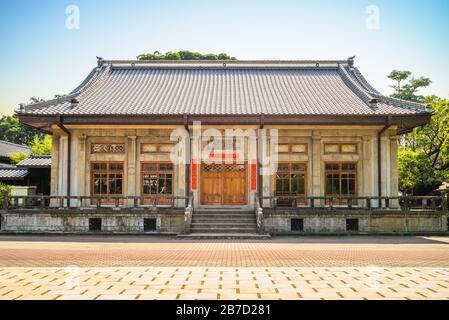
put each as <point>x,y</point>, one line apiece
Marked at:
<point>416,175</point>
<point>184,55</point>
<point>423,161</point>
<point>16,157</point>
<point>4,189</point>
<point>408,91</point>
<point>41,146</point>
<point>12,130</point>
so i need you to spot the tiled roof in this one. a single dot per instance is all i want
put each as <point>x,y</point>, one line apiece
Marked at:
<point>6,166</point>
<point>13,174</point>
<point>230,88</point>
<point>35,161</point>
<point>7,147</point>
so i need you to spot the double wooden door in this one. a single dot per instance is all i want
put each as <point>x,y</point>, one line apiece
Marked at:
<point>223,184</point>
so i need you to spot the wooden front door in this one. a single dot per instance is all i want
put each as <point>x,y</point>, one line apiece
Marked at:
<point>223,184</point>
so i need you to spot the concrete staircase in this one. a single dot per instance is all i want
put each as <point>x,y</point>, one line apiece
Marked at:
<point>220,223</point>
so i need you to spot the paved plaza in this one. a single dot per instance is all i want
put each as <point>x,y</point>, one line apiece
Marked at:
<point>96,267</point>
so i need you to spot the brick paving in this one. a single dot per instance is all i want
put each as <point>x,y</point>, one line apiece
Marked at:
<point>283,268</point>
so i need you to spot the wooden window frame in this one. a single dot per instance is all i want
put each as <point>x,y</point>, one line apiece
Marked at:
<point>157,172</point>
<point>340,146</point>
<point>303,199</point>
<point>341,172</point>
<point>107,172</point>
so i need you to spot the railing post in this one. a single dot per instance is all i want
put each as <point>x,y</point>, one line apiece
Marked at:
<point>98,202</point>
<point>331,202</point>
<point>135,201</point>
<point>424,203</point>
<point>387,202</point>
<point>117,202</point>
<point>312,202</point>
<point>368,203</point>
<point>350,203</point>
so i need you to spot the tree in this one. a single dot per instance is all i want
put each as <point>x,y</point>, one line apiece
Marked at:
<point>41,146</point>
<point>409,90</point>
<point>184,55</point>
<point>12,130</point>
<point>16,157</point>
<point>423,159</point>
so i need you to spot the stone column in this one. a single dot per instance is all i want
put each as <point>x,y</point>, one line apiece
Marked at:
<point>62,167</point>
<point>394,180</point>
<point>385,155</point>
<point>54,182</point>
<point>131,185</point>
<point>317,183</point>
<point>81,164</point>
<point>252,160</point>
<point>195,165</point>
<point>367,159</point>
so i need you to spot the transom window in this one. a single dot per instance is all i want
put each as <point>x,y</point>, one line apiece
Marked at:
<point>291,148</point>
<point>291,181</point>
<point>340,148</point>
<point>341,179</point>
<point>107,178</point>
<point>157,179</point>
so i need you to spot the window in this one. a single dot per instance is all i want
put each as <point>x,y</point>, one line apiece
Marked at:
<point>157,179</point>
<point>291,148</point>
<point>340,148</point>
<point>156,148</point>
<point>291,181</point>
<point>107,178</point>
<point>94,224</point>
<point>107,148</point>
<point>297,224</point>
<point>341,180</point>
<point>149,224</point>
<point>352,224</point>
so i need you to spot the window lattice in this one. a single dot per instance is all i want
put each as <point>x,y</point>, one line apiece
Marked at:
<point>108,148</point>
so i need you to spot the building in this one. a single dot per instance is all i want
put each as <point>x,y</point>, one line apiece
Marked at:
<point>9,173</point>
<point>33,171</point>
<point>160,133</point>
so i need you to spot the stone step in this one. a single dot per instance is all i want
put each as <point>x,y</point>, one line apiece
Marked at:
<point>223,212</point>
<point>227,236</point>
<point>222,230</point>
<point>243,220</point>
<point>220,218</point>
<point>222,225</point>
<point>213,215</point>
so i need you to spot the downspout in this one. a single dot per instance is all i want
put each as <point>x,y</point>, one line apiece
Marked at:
<point>69,147</point>
<point>379,156</point>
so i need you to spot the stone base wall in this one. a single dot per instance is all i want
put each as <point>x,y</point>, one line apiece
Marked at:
<point>112,221</point>
<point>319,221</point>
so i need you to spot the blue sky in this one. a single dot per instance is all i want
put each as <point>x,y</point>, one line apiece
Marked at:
<point>40,56</point>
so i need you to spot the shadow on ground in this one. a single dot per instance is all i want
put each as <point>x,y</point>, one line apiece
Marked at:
<point>348,239</point>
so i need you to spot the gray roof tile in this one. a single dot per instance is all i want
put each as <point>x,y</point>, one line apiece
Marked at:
<point>13,174</point>
<point>7,147</point>
<point>239,88</point>
<point>35,161</point>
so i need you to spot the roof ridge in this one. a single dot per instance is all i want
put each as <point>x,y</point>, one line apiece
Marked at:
<point>360,92</point>
<point>73,94</point>
<point>263,61</point>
